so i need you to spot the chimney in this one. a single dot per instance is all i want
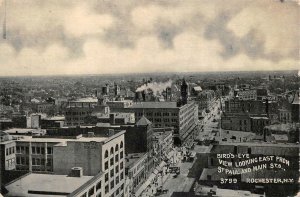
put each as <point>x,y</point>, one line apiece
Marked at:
<point>111,132</point>
<point>76,172</point>
<point>112,119</point>
<point>144,95</point>
<point>267,107</point>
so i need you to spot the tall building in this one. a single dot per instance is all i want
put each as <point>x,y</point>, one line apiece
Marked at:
<point>183,118</point>
<point>101,159</point>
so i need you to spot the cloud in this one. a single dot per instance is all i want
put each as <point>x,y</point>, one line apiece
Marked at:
<point>80,21</point>
<point>71,37</point>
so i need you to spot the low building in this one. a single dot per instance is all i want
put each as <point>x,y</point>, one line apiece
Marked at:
<point>77,110</point>
<point>33,185</point>
<point>26,132</point>
<point>112,118</point>
<point>52,122</point>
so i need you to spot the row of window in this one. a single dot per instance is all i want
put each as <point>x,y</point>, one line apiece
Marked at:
<point>34,161</point>
<point>35,150</point>
<point>112,172</point>
<point>112,150</point>
<point>10,150</point>
<point>157,114</point>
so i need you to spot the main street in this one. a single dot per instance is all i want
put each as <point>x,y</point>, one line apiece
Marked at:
<point>185,181</point>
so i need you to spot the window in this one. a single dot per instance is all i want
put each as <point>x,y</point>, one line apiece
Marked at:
<point>33,150</point>
<point>18,160</point>
<point>18,150</point>
<point>249,151</point>
<point>111,161</point>
<point>117,158</point>
<point>106,189</point>
<point>117,169</point>
<point>49,162</point>
<point>6,150</point>
<point>117,180</point>
<point>38,150</point>
<point>98,186</point>
<point>38,161</point>
<point>91,191</point>
<point>26,150</point>
<point>49,150</point>
<point>111,150</point>
<point>117,147</point>
<point>121,155</point>
<point>106,154</point>
<point>43,162</point>
<point>83,195</point>
<point>112,184</point>
<point>106,165</point>
<point>121,165</point>
<point>111,172</point>
<point>121,144</point>
<point>106,177</point>
<point>33,161</point>
<point>22,160</point>
<point>42,150</point>
<point>122,175</point>
<point>122,186</point>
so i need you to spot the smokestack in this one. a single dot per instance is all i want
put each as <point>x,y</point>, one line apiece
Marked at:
<point>144,95</point>
<point>267,107</point>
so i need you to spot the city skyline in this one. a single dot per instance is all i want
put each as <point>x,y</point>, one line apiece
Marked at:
<point>101,37</point>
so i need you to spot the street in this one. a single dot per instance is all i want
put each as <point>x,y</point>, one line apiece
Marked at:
<point>170,182</point>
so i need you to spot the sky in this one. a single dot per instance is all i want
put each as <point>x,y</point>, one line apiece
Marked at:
<point>59,37</point>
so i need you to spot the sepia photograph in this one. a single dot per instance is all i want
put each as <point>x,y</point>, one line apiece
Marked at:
<point>168,98</point>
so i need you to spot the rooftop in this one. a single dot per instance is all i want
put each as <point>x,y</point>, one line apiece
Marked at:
<point>55,118</point>
<point>204,190</point>
<point>23,131</point>
<point>132,158</point>
<point>117,115</point>
<point>143,121</point>
<point>86,100</point>
<point>154,105</point>
<point>63,140</point>
<point>54,184</point>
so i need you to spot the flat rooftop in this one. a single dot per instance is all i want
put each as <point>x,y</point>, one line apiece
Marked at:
<point>22,131</point>
<point>132,158</point>
<point>203,190</point>
<point>62,140</point>
<point>54,184</point>
<point>86,100</point>
<point>55,118</point>
<point>117,115</point>
<point>154,105</point>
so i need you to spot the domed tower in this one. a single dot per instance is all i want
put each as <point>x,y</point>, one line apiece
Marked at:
<point>184,92</point>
